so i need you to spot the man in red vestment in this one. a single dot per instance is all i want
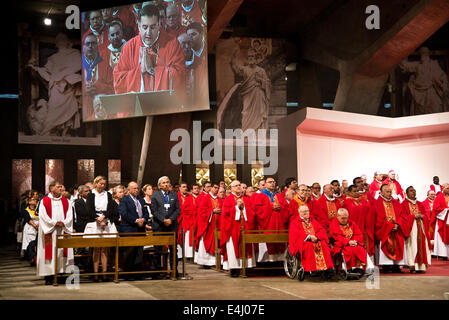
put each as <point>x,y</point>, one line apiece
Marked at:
<point>441,208</point>
<point>209,211</point>
<point>116,42</point>
<point>390,223</point>
<point>417,240</point>
<point>349,240</point>
<point>183,194</point>
<point>237,214</point>
<point>191,12</point>
<point>374,187</point>
<point>151,60</point>
<point>299,199</point>
<point>197,71</point>
<point>272,214</point>
<point>98,28</point>
<point>188,215</point>
<point>308,238</point>
<point>337,192</point>
<point>396,189</point>
<point>173,21</point>
<point>290,183</point>
<point>428,206</point>
<point>316,191</point>
<point>361,214</point>
<point>97,75</point>
<point>358,182</point>
<point>325,208</point>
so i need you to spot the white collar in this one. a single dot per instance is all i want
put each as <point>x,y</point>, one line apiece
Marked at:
<point>50,195</point>
<point>199,52</point>
<point>330,199</point>
<point>337,195</point>
<point>96,32</point>
<point>189,8</point>
<point>190,62</point>
<point>412,201</point>
<point>111,48</point>
<point>378,181</point>
<point>384,198</point>
<point>213,197</point>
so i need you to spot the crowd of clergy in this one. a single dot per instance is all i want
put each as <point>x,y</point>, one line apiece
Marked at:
<point>376,224</point>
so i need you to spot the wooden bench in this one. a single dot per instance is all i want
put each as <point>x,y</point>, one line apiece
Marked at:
<point>260,236</point>
<point>117,241</point>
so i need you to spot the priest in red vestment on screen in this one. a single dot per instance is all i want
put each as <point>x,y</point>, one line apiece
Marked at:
<point>441,208</point>
<point>309,239</point>
<point>417,239</point>
<point>151,60</point>
<point>389,230</point>
<point>97,76</point>
<point>237,215</point>
<point>209,211</point>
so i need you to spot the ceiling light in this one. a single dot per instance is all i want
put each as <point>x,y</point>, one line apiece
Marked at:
<point>47,21</point>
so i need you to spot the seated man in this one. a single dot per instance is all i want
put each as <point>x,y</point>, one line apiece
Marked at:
<point>308,238</point>
<point>349,240</point>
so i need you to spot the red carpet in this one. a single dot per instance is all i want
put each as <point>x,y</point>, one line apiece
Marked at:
<point>438,268</point>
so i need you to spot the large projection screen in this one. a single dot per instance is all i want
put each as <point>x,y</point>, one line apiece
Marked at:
<point>144,59</point>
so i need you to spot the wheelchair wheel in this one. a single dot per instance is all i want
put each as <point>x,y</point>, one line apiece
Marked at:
<point>342,274</point>
<point>301,274</point>
<point>290,265</point>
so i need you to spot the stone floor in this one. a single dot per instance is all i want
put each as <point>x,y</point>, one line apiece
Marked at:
<point>19,281</point>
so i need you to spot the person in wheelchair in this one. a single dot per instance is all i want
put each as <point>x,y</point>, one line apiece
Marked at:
<point>308,240</point>
<point>347,242</point>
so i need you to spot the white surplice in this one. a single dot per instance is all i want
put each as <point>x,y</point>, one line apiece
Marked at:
<point>48,225</point>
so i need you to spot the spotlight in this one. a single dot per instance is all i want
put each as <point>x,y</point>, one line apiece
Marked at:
<point>47,21</point>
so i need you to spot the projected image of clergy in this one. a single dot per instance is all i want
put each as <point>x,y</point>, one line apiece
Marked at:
<point>152,60</point>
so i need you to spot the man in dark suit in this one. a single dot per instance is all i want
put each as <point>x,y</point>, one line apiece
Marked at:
<point>165,209</point>
<point>134,219</point>
<point>81,215</point>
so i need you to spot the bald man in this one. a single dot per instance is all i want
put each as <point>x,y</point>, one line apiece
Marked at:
<point>237,214</point>
<point>308,239</point>
<point>325,208</point>
<point>349,240</point>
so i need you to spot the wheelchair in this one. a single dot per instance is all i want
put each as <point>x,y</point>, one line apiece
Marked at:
<point>340,267</point>
<point>293,267</point>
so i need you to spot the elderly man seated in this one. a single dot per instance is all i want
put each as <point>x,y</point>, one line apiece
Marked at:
<point>308,238</point>
<point>349,240</point>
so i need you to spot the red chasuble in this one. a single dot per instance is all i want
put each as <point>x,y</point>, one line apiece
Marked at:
<point>271,219</point>
<point>193,15</point>
<point>361,214</point>
<point>188,212</point>
<point>442,202</point>
<point>374,187</point>
<point>387,213</point>
<point>102,79</point>
<point>355,257</point>
<point>325,211</point>
<point>128,72</point>
<point>182,201</point>
<point>410,209</point>
<point>428,207</point>
<point>230,228</point>
<point>207,221</point>
<point>48,237</point>
<point>314,256</point>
